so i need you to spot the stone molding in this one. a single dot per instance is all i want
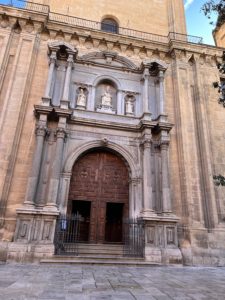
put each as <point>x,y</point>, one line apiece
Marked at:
<point>180,50</point>
<point>125,153</point>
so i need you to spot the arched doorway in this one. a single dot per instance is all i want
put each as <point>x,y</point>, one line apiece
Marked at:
<point>99,193</point>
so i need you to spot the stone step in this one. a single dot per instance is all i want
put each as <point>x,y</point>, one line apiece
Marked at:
<point>97,261</point>
<point>100,246</point>
<point>98,257</point>
<point>98,249</point>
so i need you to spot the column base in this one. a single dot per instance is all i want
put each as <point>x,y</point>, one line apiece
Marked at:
<point>162,118</point>
<point>51,207</point>
<point>148,213</point>
<point>81,107</point>
<point>46,101</point>
<point>28,205</point>
<point>161,239</point>
<point>64,104</point>
<point>147,116</point>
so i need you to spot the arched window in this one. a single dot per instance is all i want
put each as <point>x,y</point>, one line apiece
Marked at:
<point>109,25</point>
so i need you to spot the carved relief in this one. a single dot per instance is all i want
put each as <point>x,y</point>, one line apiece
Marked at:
<point>4,21</point>
<point>24,227</point>
<point>160,236</point>
<point>36,229</point>
<point>47,230</point>
<point>170,234</point>
<point>151,235</point>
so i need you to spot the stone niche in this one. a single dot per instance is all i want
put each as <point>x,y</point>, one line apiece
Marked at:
<point>34,235</point>
<point>161,242</point>
<point>106,97</point>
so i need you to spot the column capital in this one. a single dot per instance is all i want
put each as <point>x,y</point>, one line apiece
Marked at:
<point>146,142</point>
<point>53,57</point>
<point>61,133</point>
<point>164,144</point>
<point>70,60</point>
<point>41,130</point>
<point>146,73</point>
<point>161,74</point>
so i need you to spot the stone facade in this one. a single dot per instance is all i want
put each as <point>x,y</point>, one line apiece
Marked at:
<point>164,120</point>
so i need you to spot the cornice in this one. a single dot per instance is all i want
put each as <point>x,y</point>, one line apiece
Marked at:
<point>38,23</point>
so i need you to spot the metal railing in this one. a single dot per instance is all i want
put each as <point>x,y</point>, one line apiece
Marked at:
<point>185,38</point>
<point>75,21</point>
<point>27,5</point>
<point>89,24</point>
<point>134,238</point>
<point>67,235</point>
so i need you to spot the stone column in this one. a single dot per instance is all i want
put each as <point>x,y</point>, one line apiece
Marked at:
<point>36,166</point>
<point>161,92</point>
<point>134,206</point>
<point>166,195</point>
<point>47,96</point>
<point>120,103</point>
<point>148,209</point>
<point>56,168</point>
<point>66,89</point>
<point>146,76</point>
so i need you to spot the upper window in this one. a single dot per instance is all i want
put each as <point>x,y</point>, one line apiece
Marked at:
<point>109,25</point>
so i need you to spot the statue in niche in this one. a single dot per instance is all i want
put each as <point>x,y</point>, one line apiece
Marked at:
<point>81,99</point>
<point>107,97</point>
<point>129,106</point>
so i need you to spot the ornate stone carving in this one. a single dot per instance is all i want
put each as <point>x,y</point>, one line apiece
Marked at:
<point>41,130</point>
<point>105,141</point>
<point>61,133</point>
<point>146,143</point>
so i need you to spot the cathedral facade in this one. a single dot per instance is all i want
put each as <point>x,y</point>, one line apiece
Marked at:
<point>108,113</point>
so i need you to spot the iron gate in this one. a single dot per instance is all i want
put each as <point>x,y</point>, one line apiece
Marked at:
<point>134,238</point>
<point>67,235</point>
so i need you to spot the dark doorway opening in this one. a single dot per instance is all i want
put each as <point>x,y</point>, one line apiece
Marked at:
<point>83,210</point>
<point>114,222</point>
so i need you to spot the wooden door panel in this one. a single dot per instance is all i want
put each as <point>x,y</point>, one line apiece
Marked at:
<point>99,177</point>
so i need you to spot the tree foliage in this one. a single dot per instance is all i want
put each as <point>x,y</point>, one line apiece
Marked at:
<point>217,7</point>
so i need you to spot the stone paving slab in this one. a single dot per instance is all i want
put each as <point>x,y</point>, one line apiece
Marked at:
<point>86,282</point>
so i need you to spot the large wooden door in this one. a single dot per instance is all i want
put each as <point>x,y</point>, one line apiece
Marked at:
<point>100,177</point>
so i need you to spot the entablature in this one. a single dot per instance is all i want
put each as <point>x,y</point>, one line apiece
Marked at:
<point>106,121</point>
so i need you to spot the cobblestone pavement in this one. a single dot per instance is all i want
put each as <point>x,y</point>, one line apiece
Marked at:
<point>67,282</point>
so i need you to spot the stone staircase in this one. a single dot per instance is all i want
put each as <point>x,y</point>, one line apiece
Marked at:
<point>104,254</point>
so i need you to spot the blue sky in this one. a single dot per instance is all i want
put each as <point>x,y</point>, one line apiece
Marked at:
<point>197,22</point>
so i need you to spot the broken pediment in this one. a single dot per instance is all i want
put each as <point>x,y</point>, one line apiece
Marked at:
<point>108,58</point>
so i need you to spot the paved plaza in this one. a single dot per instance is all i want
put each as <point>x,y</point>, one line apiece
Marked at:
<point>67,282</point>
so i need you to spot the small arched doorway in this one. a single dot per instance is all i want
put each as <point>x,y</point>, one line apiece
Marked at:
<point>99,193</point>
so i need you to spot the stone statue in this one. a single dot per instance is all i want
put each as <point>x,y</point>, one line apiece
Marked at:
<point>81,99</point>
<point>107,97</point>
<point>129,106</point>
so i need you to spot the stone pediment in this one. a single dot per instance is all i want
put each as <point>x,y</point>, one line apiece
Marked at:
<point>58,44</point>
<point>108,58</point>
